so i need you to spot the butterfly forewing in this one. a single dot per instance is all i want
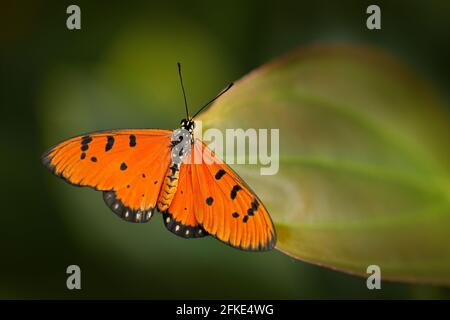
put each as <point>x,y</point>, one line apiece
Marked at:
<point>128,165</point>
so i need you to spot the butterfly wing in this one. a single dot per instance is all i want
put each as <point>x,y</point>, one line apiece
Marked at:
<point>128,165</point>
<point>180,218</point>
<point>220,202</point>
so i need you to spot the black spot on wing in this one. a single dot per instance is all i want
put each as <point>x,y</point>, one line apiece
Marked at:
<point>85,143</point>
<point>132,140</point>
<point>93,159</point>
<point>209,201</point>
<point>181,229</point>
<point>255,205</point>
<point>125,212</point>
<point>123,166</point>
<point>245,219</point>
<point>235,215</point>
<point>234,191</point>
<point>82,155</point>
<point>86,140</point>
<point>220,174</point>
<point>109,143</point>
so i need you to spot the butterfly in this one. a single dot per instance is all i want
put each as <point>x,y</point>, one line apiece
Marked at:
<point>141,170</point>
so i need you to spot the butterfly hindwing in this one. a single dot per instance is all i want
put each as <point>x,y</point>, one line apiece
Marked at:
<point>128,165</point>
<point>180,217</point>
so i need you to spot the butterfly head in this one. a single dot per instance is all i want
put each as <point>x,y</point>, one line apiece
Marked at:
<point>187,124</point>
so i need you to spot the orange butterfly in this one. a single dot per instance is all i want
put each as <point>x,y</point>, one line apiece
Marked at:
<point>139,170</point>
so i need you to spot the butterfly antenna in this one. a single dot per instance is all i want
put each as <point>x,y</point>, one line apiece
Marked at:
<point>184,93</point>
<point>225,90</point>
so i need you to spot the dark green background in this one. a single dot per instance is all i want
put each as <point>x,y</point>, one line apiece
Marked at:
<point>120,71</point>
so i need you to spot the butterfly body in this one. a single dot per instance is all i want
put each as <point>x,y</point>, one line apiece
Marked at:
<point>141,170</point>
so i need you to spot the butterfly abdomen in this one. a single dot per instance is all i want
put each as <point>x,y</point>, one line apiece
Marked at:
<point>180,146</point>
<point>169,187</point>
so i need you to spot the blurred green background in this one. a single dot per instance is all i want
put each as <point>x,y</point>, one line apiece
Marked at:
<point>119,71</point>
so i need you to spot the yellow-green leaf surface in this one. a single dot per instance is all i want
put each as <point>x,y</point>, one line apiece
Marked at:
<point>364,160</point>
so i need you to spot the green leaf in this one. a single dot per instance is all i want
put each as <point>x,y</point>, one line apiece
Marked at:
<point>364,160</point>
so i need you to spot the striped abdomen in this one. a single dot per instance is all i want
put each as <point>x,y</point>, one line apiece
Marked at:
<point>169,187</point>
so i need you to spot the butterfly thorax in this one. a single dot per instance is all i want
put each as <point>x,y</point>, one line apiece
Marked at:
<point>180,147</point>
